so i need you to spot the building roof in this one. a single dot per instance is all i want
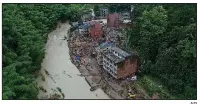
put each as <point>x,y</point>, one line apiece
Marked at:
<point>116,59</point>
<point>120,51</point>
<point>113,57</point>
<point>106,44</point>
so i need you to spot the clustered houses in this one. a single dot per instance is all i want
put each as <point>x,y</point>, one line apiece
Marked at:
<point>114,60</point>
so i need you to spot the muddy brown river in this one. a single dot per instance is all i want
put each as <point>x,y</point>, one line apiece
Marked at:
<point>62,73</point>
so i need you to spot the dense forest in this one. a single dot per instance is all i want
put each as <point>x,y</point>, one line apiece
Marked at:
<point>25,29</point>
<point>165,38</point>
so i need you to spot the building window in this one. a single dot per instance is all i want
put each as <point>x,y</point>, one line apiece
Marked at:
<point>115,52</point>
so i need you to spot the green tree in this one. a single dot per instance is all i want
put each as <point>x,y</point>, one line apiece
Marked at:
<point>165,37</point>
<point>25,29</point>
<point>97,10</point>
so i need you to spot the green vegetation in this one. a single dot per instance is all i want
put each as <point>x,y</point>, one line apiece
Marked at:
<point>112,7</point>
<point>165,38</point>
<point>163,35</point>
<point>25,29</point>
<point>119,7</point>
<point>97,10</point>
<point>153,86</point>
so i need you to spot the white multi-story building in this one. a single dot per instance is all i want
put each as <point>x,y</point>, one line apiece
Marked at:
<point>119,63</point>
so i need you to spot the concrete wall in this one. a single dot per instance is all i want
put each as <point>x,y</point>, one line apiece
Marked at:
<point>96,31</point>
<point>110,67</point>
<point>113,20</point>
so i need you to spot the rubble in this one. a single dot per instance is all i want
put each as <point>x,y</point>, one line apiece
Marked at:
<point>82,49</point>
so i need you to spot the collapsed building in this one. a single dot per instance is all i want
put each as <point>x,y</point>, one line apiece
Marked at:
<point>120,64</point>
<point>105,41</point>
<point>125,20</point>
<point>91,28</point>
<point>114,60</point>
<point>113,35</point>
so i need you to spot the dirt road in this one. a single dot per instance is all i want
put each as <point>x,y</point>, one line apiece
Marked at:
<point>62,73</point>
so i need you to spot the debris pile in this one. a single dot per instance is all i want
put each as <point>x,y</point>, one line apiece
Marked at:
<point>82,49</point>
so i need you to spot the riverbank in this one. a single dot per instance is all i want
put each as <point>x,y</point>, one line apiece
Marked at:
<point>61,72</point>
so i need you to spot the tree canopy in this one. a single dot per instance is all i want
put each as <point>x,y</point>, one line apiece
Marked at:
<point>165,37</point>
<point>25,29</point>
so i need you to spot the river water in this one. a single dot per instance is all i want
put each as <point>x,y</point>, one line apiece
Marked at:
<point>63,73</point>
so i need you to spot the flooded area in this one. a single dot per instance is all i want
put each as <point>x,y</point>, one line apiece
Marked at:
<point>59,72</point>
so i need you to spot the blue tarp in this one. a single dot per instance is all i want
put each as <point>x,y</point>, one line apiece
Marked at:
<point>78,58</point>
<point>85,25</point>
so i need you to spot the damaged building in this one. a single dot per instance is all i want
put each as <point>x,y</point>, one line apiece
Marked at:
<point>96,30</point>
<point>113,20</point>
<point>116,36</point>
<point>103,48</point>
<point>119,20</point>
<point>120,64</point>
<point>125,20</point>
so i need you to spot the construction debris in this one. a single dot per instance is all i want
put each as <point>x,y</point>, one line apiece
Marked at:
<point>84,53</point>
